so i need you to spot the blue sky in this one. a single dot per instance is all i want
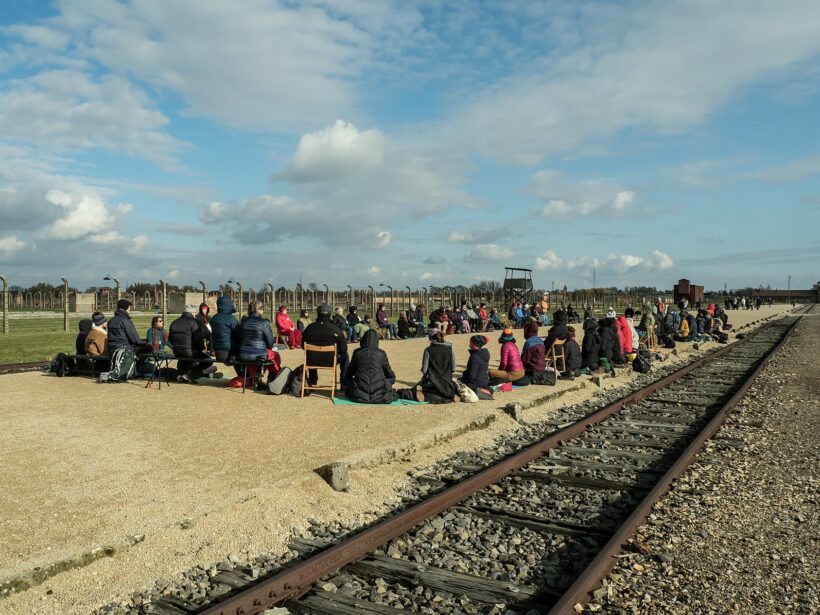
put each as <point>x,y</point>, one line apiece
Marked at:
<point>411,143</point>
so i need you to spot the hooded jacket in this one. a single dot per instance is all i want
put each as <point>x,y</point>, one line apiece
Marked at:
<point>255,337</point>
<point>558,331</point>
<point>437,366</point>
<point>534,354</point>
<point>647,320</point>
<point>353,316</point>
<point>369,377</point>
<point>185,337</point>
<point>610,347</point>
<point>85,328</point>
<point>572,354</point>
<point>591,344</point>
<point>510,358</point>
<point>223,326</point>
<point>624,335</point>
<point>96,343</point>
<point>324,333</point>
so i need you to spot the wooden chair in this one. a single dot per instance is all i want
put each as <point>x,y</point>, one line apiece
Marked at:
<point>311,352</point>
<point>556,354</point>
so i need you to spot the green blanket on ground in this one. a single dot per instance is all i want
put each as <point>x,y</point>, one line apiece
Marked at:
<point>342,401</point>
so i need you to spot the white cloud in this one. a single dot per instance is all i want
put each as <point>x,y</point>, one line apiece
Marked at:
<point>173,274</point>
<point>106,237</point>
<point>623,262</point>
<point>11,244</point>
<point>489,252</point>
<point>478,235</point>
<point>794,170</point>
<point>550,261</point>
<point>373,271</point>
<point>138,244</point>
<point>337,150</point>
<point>564,198</point>
<point>383,239</point>
<point>428,276</point>
<point>125,208</point>
<point>84,215</point>
<point>661,260</point>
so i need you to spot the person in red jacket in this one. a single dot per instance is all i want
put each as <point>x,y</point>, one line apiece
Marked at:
<point>286,329</point>
<point>510,366</point>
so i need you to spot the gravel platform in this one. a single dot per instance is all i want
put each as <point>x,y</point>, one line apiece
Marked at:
<point>739,532</point>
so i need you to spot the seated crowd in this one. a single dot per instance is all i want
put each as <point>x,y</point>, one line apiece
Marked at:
<point>198,340</point>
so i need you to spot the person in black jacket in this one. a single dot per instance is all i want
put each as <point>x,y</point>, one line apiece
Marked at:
<point>340,321</point>
<point>121,330</point>
<point>205,322</point>
<point>85,329</point>
<point>609,341</point>
<point>369,378</point>
<point>353,320</point>
<point>225,331</point>
<point>403,327</point>
<point>437,367</point>
<point>572,353</point>
<point>477,373</point>
<point>558,331</point>
<point>591,345</point>
<point>188,342</point>
<point>324,333</point>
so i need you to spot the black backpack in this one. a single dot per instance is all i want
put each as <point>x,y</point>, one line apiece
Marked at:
<point>547,377</point>
<point>641,364</point>
<point>294,386</point>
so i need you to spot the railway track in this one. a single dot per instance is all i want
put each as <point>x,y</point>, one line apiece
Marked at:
<point>16,368</point>
<point>535,532</point>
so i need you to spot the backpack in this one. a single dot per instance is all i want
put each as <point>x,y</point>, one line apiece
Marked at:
<point>294,383</point>
<point>58,366</point>
<point>123,366</point>
<point>669,342</point>
<point>547,377</point>
<point>641,364</point>
<point>466,394</point>
<point>278,385</point>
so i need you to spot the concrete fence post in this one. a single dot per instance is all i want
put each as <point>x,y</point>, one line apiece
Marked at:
<point>164,306</point>
<point>65,304</point>
<point>5,304</point>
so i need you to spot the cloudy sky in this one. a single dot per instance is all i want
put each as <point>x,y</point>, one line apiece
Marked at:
<point>410,142</point>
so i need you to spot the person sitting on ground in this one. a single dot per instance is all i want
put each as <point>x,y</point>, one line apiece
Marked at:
<point>544,309</point>
<point>439,319</point>
<point>510,365</point>
<point>437,366</point>
<point>388,329</point>
<point>96,342</point>
<point>558,331</point>
<point>303,322</point>
<point>647,323</point>
<point>362,327</point>
<point>340,321</point>
<point>369,378</point>
<point>287,328</point>
<point>591,345</point>
<point>476,375</point>
<point>494,322</point>
<point>156,335</point>
<point>572,354</point>
<point>84,327</point>
<point>225,332</point>
<point>624,334</point>
<point>323,332</point>
<point>634,336</point>
<point>403,327</point>
<point>353,320</point>
<point>204,320</point>
<point>683,329</point>
<point>572,315</point>
<point>609,347</point>
<point>188,341</point>
<point>534,354</point>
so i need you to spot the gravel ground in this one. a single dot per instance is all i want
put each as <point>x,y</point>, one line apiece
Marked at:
<point>739,532</point>
<point>107,465</point>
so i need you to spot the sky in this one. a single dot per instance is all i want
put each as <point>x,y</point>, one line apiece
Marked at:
<point>410,143</point>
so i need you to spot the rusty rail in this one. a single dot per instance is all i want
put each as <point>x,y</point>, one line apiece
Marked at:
<point>16,368</point>
<point>296,580</point>
<point>589,580</point>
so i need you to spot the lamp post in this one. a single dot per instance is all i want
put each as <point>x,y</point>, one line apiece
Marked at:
<point>65,304</point>
<point>5,304</point>
<point>272,301</point>
<point>425,301</point>
<point>239,309</point>
<point>409,297</point>
<point>204,292</point>
<point>372,298</point>
<point>109,277</point>
<point>350,296</point>
<point>327,295</point>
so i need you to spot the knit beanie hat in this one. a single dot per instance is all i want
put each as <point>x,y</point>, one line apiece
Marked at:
<point>506,336</point>
<point>99,319</point>
<point>478,341</point>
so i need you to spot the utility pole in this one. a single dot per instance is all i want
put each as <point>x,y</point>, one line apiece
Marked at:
<point>65,304</point>
<point>789,288</point>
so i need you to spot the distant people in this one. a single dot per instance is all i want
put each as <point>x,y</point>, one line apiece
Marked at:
<point>388,329</point>
<point>683,329</point>
<point>439,319</point>
<point>572,356</point>
<point>369,378</point>
<point>225,332</point>
<point>353,320</point>
<point>287,328</point>
<point>437,366</point>
<point>403,327</point>
<point>495,323</point>
<point>572,315</point>
<point>544,308</point>
<point>187,338</point>
<point>647,323</point>
<point>361,327</point>
<point>483,316</point>
<point>416,318</point>
<point>510,365</point>
<point>156,335</point>
<point>476,375</point>
<point>84,328</point>
<point>323,332</point>
<point>96,342</point>
<point>533,355</point>
<point>624,335</point>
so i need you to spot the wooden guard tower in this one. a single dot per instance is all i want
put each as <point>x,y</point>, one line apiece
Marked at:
<point>517,286</point>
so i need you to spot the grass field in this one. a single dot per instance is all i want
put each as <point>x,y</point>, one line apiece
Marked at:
<point>40,339</point>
